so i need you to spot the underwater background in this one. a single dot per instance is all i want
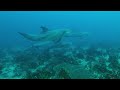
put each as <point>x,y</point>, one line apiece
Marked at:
<point>95,56</point>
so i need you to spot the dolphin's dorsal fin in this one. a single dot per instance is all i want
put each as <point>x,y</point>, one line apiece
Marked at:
<point>44,29</point>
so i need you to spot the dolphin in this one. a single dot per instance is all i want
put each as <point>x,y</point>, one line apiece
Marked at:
<point>52,35</point>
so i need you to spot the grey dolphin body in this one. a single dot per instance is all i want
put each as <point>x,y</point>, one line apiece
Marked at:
<point>53,35</point>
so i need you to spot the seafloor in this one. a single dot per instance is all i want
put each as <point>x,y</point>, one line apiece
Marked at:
<point>60,62</point>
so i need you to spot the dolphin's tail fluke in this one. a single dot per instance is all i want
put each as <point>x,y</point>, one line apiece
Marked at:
<point>27,36</point>
<point>23,34</point>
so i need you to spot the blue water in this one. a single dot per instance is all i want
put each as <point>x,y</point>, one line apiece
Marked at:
<point>103,26</point>
<point>103,29</point>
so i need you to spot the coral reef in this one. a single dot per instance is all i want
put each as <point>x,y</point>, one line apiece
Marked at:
<point>63,61</point>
